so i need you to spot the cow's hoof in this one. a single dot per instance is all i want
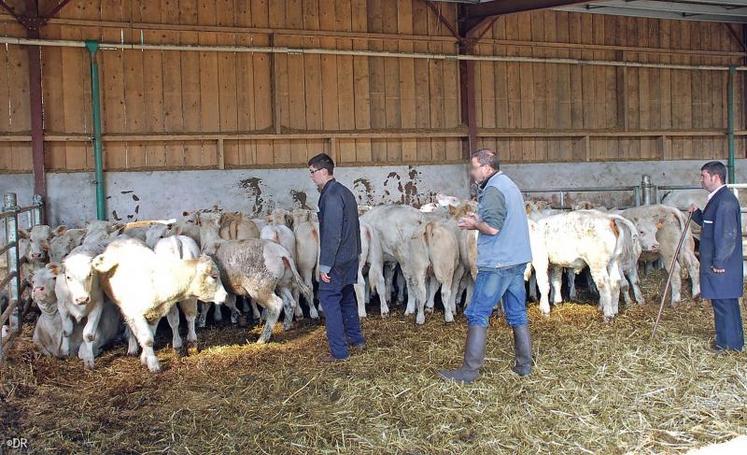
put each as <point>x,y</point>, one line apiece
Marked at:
<point>362,314</point>
<point>314,315</point>
<point>608,319</point>
<point>180,351</point>
<point>153,365</point>
<point>384,314</point>
<point>243,321</point>
<point>192,348</point>
<point>420,319</point>
<point>88,364</point>
<point>696,296</point>
<point>429,309</point>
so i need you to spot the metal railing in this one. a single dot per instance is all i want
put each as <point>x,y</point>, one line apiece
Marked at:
<point>13,313</point>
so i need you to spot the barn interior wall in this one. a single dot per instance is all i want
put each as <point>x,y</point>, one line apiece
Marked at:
<point>167,194</point>
<point>173,110</point>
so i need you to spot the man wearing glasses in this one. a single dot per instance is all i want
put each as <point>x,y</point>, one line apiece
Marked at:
<point>340,247</point>
<point>502,254</point>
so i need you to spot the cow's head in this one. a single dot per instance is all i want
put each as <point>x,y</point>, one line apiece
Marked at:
<point>206,284</point>
<point>647,234</point>
<point>42,291</point>
<point>79,275</point>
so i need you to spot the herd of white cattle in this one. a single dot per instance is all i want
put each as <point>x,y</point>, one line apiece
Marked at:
<point>108,281</point>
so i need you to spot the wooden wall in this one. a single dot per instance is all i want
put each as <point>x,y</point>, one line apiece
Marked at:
<point>176,110</point>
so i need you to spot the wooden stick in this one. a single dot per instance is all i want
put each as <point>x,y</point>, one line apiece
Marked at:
<point>671,271</point>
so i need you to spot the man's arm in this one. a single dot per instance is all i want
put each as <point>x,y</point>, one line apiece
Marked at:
<point>331,232</point>
<point>697,214</point>
<point>725,235</point>
<point>493,206</point>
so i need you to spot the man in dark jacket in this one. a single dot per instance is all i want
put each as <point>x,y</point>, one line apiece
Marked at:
<point>721,256</point>
<point>340,248</point>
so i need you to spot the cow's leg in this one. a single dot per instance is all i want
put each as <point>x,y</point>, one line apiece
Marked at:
<point>307,273</point>
<point>556,280</point>
<point>297,311</point>
<point>255,311</point>
<point>433,285</point>
<point>360,292</point>
<point>67,330</point>
<point>389,269</point>
<point>602,279</point>
<point>570,276</point>
<point>287,297</point>
<point>176,340</point>
<point>625,288</point>
<point>189,308</point>
<point>676,282</point>
<point>132,346</point>
<point>543,282</point>
<point>417,287</point>
<point>377,282</point>
<point>635,284</point>
<point>691,263</point>
<point>202,316</point>
<point>532,286</point>
<point>456,281</point>
<point>272,305</point>
<point>616,277</point>
<point>217,312</point>
<point>401,283</point>
<point>89,332</point>
<point>144,334</point>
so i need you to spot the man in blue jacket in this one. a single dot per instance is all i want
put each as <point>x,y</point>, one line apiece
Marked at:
<point>340,247</point>
<point>502,254</point>
<point>721,256</point>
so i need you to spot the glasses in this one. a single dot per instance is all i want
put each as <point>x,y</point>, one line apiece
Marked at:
<point>314,171</point>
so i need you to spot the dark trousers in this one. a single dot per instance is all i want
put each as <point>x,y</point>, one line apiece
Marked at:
<point>728,321</point>
<point>340,316</point>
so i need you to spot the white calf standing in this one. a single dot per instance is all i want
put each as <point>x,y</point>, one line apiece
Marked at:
<point>145,286</point>
<point>79,296</point>
<point>373,256</point>
<point>306,231</point>
<point>181,247</point>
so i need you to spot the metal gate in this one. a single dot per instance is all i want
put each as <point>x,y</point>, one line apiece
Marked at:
<point>13,309</point>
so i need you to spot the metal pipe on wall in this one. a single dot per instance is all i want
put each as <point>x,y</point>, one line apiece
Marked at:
<point>301,51</point>
<point>730,123</point>
<point>98,153</point>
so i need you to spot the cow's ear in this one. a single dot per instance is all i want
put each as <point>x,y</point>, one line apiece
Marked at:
<point>54,268</point>
<point>45,245</point>
<point>59,230</point>
<point>453,210</point>
<point>23,234</point>
<point>660,223</point>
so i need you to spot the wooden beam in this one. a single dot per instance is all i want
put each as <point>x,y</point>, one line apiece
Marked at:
<point>475,14</point>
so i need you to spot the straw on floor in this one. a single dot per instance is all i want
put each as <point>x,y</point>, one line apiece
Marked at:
<point>596,388</point>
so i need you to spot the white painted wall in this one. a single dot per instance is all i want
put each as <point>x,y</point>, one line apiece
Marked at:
<point>166,194</point>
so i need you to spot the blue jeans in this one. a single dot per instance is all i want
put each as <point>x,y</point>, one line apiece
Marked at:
<point>490,286</point>
<point>340,316</point>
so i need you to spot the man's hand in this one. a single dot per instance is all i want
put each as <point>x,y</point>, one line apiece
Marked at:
<point>469,222</point>
<point>693,208</point>
<point>325,278</point>
<point>715,270</point>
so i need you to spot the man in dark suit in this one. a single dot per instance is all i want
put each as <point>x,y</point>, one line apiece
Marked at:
<point>340,248</point>
<point>721,278</point>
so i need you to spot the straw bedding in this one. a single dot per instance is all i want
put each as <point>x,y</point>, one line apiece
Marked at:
<point>596,388</point>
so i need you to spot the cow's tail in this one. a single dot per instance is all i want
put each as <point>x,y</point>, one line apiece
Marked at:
<point>298,282</point>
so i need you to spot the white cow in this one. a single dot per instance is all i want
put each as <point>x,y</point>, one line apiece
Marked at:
<point>184,248</point>
<point>306,232</point>
<point>578,239</point>
<point>254,267</point>
<point>79,296</point>
<point>145,286</point>
<point>48,329</point>
<point>373,257</point>
<point>401,230</point>
<point>659,230</point>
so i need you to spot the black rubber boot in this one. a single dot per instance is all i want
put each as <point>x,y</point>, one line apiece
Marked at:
<point>522,350</point>
<point>474,354</point>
